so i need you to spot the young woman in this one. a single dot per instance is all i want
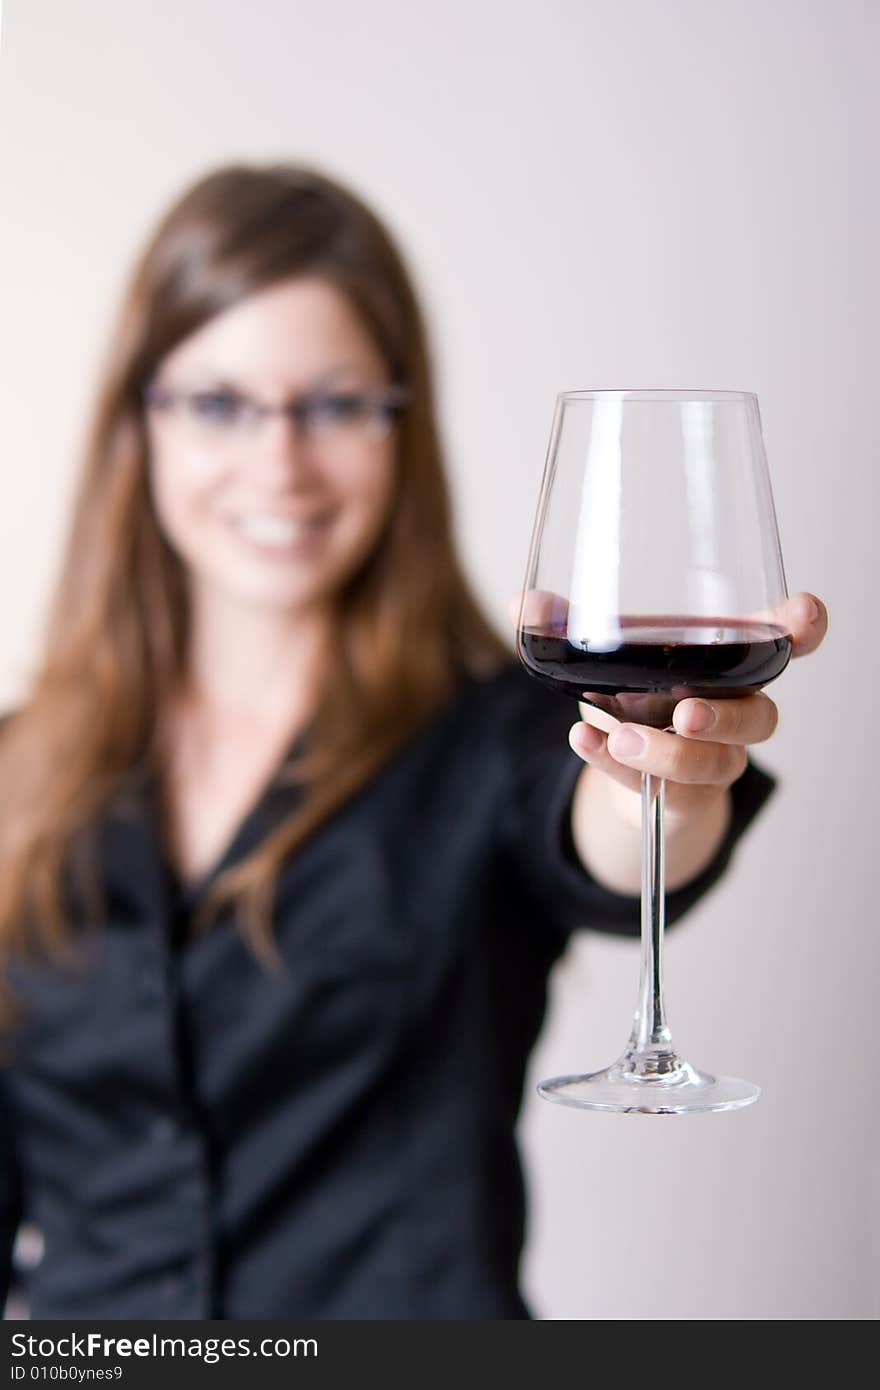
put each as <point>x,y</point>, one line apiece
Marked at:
<point>291,841</point>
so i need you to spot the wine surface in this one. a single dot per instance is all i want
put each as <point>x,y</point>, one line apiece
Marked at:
<point>640,671</point>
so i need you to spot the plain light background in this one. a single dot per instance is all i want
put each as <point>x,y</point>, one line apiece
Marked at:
<point>655,193</point>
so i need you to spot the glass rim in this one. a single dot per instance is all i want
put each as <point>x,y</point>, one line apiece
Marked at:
<point>661,393</point>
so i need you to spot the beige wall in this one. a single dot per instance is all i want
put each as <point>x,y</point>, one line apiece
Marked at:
<point>662,192</point>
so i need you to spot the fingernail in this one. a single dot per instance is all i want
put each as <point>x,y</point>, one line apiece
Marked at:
<point>588,738</point>
<point>702,716</point>
<point>813,610</point>
<point>626,743</point>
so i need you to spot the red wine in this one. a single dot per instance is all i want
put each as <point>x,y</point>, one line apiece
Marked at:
<point>642,670</point>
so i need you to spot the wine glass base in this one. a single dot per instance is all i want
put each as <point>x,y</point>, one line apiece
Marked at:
<point>685,1091</point>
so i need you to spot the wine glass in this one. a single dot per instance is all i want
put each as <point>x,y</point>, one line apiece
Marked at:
<point>655,573</point>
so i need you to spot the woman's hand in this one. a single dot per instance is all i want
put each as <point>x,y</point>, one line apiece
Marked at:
<point>708,750</point>
<point>698,764</point>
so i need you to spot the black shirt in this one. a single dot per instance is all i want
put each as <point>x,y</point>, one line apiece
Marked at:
<point>197,1138</point>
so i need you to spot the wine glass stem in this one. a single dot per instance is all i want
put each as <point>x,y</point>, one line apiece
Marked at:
<point>650,1051</point>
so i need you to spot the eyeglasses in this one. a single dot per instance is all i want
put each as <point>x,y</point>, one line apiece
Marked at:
<point>328,417</point>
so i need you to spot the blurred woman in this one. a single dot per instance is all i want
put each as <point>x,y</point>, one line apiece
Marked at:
<point>291,842</point>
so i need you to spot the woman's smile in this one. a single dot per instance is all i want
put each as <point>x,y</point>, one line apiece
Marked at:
<point>279,536</point>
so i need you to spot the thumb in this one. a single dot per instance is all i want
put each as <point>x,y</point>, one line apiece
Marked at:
<point>537,606</point>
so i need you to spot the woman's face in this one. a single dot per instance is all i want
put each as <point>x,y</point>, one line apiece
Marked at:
<point>273,512</point>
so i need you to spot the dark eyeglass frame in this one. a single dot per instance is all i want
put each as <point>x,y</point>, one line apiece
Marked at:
<point>389,400</point>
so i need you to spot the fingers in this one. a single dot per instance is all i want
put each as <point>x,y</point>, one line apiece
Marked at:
<point>803,616</point>
<point>806,619</point>
<point>540,606</point>
<point>591,744</point>
<point>595,715</point>
<point>748,719</point>
<point>677,759</point>
<point>631,749</point>
<point>683,800</point>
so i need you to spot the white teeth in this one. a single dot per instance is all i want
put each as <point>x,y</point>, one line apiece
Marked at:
<point>273,530</point>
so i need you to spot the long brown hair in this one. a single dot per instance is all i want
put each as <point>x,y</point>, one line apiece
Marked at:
<point>115,643</point>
